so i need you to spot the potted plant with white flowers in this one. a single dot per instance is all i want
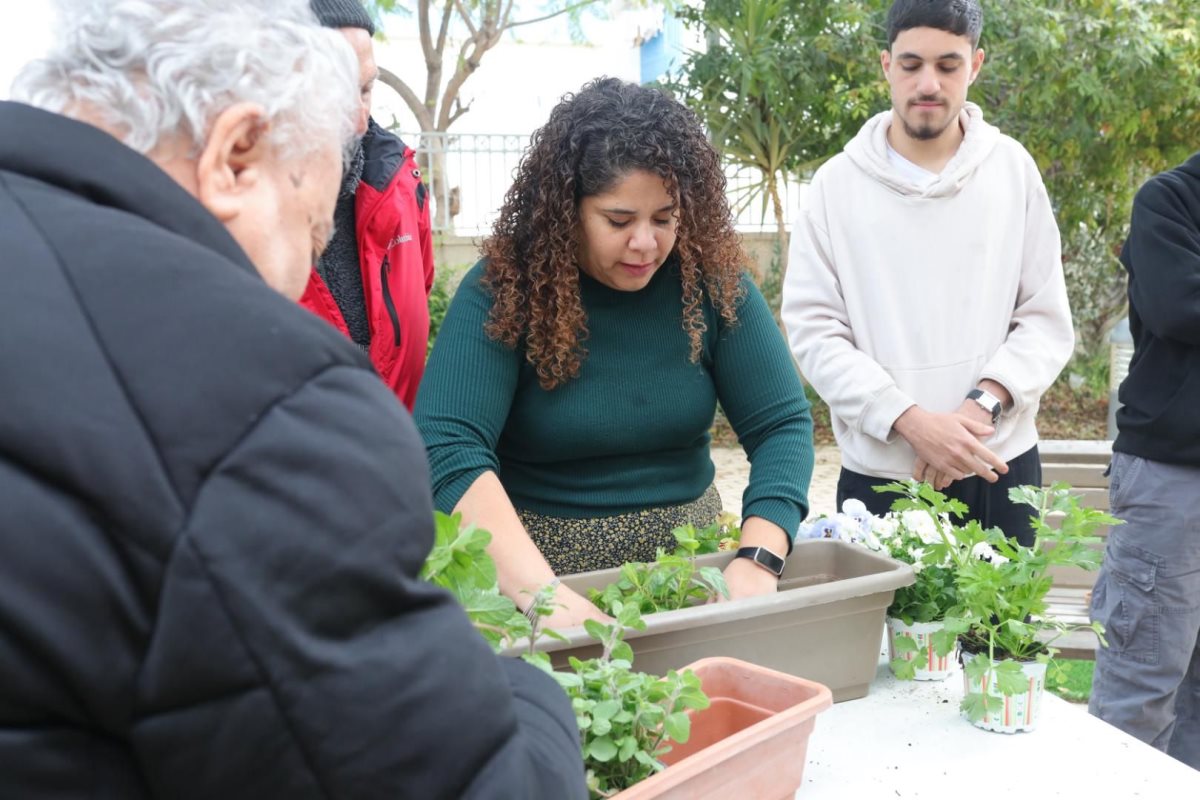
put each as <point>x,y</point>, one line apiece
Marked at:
<point>911,534</point>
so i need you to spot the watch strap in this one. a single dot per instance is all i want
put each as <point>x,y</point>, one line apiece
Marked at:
<point>764,558</point>
<point>987,401</point>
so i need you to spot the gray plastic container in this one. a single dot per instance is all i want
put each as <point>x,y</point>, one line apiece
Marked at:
<point>825,623</point>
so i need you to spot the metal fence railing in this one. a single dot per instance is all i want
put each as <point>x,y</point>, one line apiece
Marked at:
<point>469,173</point>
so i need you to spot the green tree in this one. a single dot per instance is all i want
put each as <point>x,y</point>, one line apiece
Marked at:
<point>781,84</point>
<point>1103,93</point>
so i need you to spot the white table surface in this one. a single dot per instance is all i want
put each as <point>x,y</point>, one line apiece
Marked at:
<point>906,739</point>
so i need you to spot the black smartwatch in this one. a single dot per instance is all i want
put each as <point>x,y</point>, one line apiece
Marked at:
<point>764,558</point>
<point>987,401</point>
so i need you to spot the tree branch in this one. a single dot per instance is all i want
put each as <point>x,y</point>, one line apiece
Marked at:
<point>445,27</point>
<point>466,65</point>
<point>420,111</point>
<point>423,27</point>
<point>466,18</point>
<point>459,110</point>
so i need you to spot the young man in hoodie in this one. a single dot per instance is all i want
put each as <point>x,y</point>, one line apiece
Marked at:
<point>924,298</point>
<point>373,280</point>
<point>1148,593</point>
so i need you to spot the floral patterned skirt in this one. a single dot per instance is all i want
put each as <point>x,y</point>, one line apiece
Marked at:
<point>583,545</point>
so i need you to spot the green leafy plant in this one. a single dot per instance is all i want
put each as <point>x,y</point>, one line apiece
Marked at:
<point>668,583</point>
<point>920,531</point>
<point>460,564</point>
<point>1001,616</point>
<point>627,719</point>
<point>439,303</point>
<point>723,534</point>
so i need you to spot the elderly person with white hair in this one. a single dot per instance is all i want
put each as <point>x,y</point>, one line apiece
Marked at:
<point>212,512</point>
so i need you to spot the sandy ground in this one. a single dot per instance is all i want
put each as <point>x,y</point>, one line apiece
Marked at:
<point>733,473</point>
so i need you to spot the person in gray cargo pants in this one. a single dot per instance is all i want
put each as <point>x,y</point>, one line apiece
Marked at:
<point>1147,596</point>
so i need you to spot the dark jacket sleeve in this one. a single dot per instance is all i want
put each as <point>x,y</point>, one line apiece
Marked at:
<point>1162,255</point>
<point>296,654</point>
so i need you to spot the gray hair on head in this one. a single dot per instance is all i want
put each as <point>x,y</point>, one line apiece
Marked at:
<point>159,69</point>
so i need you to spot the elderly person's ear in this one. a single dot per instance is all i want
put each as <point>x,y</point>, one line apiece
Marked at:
<point>231,164</point>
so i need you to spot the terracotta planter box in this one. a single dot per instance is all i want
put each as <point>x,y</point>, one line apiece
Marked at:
<point>825,623</point>
<point>752,742</point>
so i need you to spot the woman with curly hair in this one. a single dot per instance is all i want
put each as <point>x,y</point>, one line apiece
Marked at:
<point>567,403</point>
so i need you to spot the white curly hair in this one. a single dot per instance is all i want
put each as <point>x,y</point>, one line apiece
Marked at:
<point>151,70</point>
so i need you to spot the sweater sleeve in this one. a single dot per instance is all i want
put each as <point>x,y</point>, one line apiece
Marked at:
<point>857,389</point>
<point>763,397</point>
<point>1041,337</point>
<point>296,642</point>
<point>465,396</point>
<point>1162,254</point>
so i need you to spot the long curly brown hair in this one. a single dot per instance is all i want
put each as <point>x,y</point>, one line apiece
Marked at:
<point>594,139</point>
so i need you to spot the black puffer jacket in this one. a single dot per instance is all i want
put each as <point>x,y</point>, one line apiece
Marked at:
<point>211,516</point>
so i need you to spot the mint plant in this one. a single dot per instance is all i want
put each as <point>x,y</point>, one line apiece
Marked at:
<point>627,719</point>
<point>668,583</point>
<point>460,564</point>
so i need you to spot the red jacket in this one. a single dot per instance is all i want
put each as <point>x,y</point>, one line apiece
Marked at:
<point>395,246</point>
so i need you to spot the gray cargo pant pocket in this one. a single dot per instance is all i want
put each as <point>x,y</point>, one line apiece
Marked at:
<point>1127,603</point>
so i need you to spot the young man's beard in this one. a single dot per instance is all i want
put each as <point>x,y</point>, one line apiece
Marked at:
<point>926,132</point>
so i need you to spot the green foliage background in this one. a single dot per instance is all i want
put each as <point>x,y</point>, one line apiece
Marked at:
<point>1103,94</point>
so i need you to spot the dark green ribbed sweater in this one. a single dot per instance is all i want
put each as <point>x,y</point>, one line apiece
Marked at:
<point>632,431</point>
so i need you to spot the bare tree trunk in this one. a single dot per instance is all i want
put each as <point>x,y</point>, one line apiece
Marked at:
<point>434,146</point>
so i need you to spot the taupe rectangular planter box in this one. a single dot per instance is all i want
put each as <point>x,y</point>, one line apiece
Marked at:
<point>825,624</point>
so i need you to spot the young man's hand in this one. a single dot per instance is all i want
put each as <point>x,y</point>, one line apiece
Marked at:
<point>949,447</point>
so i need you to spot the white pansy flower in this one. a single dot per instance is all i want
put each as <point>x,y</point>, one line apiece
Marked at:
<point>871,540</point>
<point>885,527</point>
<point>848,528</point>
<point>984,550</point>
<point>853,507</point>
<point>922,525</point>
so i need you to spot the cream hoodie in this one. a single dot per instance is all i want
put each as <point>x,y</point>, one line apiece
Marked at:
<point>898,295</point>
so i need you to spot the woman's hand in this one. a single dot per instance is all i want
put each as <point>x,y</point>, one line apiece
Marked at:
<point>571,609</point>
<point>747,579</point>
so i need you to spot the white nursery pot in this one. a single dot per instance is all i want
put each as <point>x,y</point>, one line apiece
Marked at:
<point>929,665</point>
<point>1020,712</point>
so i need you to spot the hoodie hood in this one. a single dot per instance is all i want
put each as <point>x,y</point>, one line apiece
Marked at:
<point>1191,166</point>
<point>868,151</point>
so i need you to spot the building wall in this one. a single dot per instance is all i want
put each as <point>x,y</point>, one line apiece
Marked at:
<point>454,254</point>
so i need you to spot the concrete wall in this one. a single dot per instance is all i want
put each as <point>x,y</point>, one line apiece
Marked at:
<point>455,253</point>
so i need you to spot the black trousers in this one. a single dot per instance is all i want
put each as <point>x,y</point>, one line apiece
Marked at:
<point>987,502</point>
